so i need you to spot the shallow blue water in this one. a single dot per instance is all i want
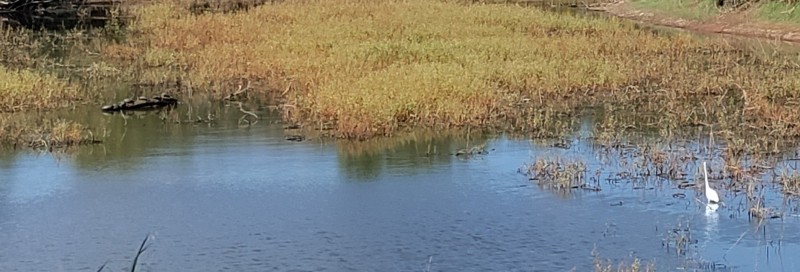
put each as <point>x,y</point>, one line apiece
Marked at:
<point>224,198</point>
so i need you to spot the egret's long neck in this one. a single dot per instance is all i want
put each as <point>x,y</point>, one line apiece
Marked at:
<point>705,174</point>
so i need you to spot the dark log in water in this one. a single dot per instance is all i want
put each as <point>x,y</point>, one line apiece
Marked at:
<point>58,14</point>
<point>226,6</point>
<point>142,103</point>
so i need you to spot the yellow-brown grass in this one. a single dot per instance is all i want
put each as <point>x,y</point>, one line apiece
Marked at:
<point>372,67</point>
<point>24,89</point>
<point>29,74</point>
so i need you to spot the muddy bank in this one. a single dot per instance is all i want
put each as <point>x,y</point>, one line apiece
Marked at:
<point>737,23</point>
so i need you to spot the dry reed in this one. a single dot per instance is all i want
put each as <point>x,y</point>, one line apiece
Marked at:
<point>371,68</point>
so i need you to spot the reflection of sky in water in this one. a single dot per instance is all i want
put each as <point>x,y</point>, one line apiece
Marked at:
<point>35,177</point>
<point>228,190</point>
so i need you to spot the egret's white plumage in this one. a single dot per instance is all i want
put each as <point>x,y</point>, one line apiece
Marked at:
<point>711,195</point>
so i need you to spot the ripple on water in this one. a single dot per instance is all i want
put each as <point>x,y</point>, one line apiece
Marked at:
<point>233,200</point>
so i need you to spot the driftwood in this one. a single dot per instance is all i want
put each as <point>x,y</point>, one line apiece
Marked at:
<point>58,14</point>
<point>142,103</point>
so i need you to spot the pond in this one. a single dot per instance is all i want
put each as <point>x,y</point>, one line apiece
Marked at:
<point>221,197</point>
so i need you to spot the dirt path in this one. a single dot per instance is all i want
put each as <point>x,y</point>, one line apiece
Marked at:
<point>738,23</point>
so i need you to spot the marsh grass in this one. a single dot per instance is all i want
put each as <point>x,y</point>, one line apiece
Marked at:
<point>779,11</point>
<point>24,84</point>
<point>25,89</point>
<point>374,68</point>
<point>41,71</point>
<point>686,9</point>
<point>37,68</point>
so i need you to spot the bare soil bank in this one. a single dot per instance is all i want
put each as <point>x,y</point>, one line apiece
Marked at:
<point>740,23</point>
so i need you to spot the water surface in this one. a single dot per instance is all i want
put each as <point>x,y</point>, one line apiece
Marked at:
<point>221,197</point>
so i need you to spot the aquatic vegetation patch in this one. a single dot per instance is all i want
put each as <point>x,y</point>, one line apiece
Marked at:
<point>790,183</point>
<point>675,164</point>
<point>755,201</point>
<point>20,130</point>
<point>559,175</point>
<point>636,265</point>
<point>679,238</point>
<point>65,133</point>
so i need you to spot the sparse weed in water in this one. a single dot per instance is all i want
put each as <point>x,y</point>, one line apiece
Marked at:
<point>560,175</point>
<point>636,265</point>
<point>790,182</point>
<point>679,238</point>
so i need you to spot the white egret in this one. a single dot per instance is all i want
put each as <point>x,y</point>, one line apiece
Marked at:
<point>711,195</point>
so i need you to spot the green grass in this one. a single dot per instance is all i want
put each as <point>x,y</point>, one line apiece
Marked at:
<point>684,9</point>
<point>768,11</point>
<point>780,12</point>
